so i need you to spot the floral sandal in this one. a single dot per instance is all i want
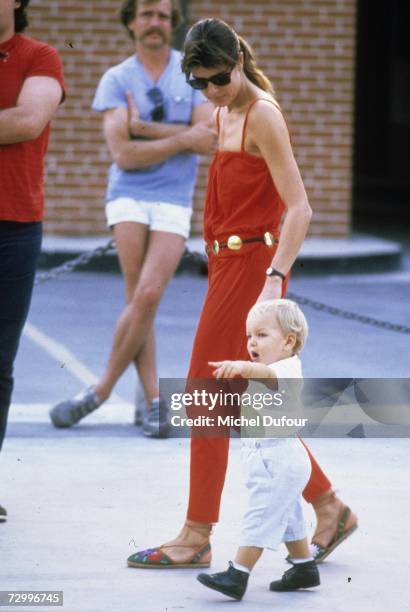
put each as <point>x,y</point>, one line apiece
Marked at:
<point>156,558</point>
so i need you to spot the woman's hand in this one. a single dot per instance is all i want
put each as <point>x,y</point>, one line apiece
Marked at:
<point>231,369</point>
<point>134,123</point>
<point>272,289</point>
<point>201,138</point>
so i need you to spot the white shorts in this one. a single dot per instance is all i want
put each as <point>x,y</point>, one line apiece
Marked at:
<point>159,216</point>
<point>276,471</point>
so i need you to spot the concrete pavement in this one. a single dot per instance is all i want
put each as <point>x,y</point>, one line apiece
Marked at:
<point>80,501</point>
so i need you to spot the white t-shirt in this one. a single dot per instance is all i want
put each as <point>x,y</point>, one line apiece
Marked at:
<point>274,413</point>
<point>287,368</point>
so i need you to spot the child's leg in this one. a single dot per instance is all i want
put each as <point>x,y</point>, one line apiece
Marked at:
<point>299,549</point>
<point>303,574</point>
<point>247,556</point>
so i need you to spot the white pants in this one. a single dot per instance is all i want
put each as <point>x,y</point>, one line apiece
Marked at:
<point>276,471</point>
<point>159,216</point>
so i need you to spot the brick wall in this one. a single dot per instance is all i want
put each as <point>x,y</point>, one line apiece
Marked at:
<point>306,47</point>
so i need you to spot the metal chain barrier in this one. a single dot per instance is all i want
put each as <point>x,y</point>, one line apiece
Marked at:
<point>347,314</point>
<point>201,260</point>
<point>72,264</point>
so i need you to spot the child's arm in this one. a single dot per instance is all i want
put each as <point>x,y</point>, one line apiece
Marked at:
<point>245,369</point>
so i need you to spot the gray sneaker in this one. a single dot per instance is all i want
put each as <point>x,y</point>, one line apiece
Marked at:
<point>3,514</point>
<point>138,417</point>
<point>140,405</point>
<point>71,411</point>
<point>155,423</point>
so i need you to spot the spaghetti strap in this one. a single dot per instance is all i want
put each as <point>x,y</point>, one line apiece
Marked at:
<point>245,123</point>
<point>218,124</point>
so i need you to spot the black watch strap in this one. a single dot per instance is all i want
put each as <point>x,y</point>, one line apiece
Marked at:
<point>271,271</point>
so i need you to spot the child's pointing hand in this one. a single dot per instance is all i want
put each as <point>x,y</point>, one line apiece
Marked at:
<point>230,369</point>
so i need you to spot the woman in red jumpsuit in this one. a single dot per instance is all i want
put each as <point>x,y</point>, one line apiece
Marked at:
<point>253,181</point>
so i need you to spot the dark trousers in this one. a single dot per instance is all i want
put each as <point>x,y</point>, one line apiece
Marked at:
<point>20,245</point>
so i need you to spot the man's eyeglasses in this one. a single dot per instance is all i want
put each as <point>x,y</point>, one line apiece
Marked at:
<point>156,97</point>
<point>220,79</point>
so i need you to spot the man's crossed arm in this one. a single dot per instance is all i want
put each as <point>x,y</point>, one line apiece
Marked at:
<point>163,140</point>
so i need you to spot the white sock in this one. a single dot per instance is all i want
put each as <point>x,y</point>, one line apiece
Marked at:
<point>155,399</point>
<point>296,561</point>
<point>241,568</point>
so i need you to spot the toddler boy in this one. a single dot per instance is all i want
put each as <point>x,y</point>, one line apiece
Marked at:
<point>276,469</point>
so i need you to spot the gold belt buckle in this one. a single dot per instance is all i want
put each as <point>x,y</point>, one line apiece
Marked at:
<point>268,239</point>
<point>215,247</point>
<point>234,243</point>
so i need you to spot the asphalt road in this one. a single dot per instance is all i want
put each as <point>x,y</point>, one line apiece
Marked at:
<point>79,312</point>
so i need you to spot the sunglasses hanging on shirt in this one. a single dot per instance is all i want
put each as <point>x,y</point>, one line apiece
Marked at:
<point>156,97</point>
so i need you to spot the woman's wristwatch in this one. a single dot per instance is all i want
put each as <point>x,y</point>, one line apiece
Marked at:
<point>271,271</point>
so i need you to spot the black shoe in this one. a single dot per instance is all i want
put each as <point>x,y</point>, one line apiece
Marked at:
<point>300,576</point>
<point>3,514</point>
<point>232,583</point>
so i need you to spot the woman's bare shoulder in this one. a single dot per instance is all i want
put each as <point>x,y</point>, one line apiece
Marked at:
<point>266,114</point>
<point>266,107</point>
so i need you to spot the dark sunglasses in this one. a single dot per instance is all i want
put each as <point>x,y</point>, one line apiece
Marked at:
<point>156,97</point>
<point>220,79</point>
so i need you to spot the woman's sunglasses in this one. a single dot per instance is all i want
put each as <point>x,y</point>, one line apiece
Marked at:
<point>220,79</point>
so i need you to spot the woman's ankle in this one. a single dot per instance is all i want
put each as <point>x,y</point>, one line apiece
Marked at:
<point>203,529</point>
<point>329,497</point>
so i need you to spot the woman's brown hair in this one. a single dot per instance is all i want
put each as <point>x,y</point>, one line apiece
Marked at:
<point>212,42</point>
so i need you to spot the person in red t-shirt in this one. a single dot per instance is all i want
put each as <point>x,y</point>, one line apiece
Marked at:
<point>31,89</point>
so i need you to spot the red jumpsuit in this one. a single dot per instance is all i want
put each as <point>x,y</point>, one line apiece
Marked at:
<point>241,200</point>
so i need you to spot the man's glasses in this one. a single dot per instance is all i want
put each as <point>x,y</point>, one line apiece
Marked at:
<point>220,79</point>
<point>156,97</point>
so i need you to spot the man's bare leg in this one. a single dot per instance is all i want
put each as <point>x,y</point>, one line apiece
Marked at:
<point>163,254</point>
<point>131,241</point>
